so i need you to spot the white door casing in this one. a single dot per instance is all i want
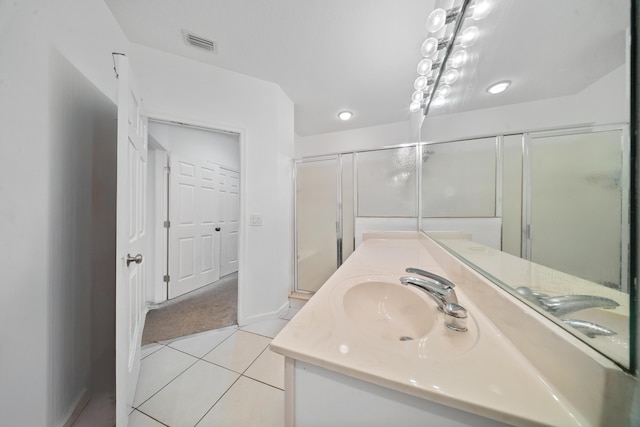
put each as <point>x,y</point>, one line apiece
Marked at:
<point>130,239</point>
<point>194,238</point>
<point>229,220</point>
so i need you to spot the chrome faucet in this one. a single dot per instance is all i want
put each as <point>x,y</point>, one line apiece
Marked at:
<point>442,294</point>
<point>441,290</point>
<point>441,280</point>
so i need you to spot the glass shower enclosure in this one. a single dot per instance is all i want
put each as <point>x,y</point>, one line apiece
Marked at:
<point>323,218</point>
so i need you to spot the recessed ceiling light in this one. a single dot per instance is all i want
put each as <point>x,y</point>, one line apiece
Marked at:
<point>345,115</point>
<point>499,87</point>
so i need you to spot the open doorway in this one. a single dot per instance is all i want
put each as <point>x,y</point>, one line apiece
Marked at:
<point>193,210</point>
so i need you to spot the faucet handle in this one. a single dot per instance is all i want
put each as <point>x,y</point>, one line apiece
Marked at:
<point>455,317</point>
<point>426,284</point>
<point>441,280</point>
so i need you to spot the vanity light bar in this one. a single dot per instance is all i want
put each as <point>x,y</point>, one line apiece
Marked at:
<point>436,21</point>
<point>447,67</point>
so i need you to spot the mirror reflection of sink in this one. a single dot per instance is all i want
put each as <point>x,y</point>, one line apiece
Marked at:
<point>389,311</point>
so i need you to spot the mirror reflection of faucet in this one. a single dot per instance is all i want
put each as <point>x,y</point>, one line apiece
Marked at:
<point>565,304</point>
<point>441,290</point>
<point>590,329</point>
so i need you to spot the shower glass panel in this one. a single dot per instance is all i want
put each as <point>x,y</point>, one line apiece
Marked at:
<point>575,211</point>
<point>459,179</point>
<point>316,219</point>
<point>387,183</point>
<point>348,232</point>
<point>512,194</point>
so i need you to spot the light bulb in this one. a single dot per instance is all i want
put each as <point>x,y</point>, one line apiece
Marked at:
<point>459,58</point>
<point>481,9</point>
<point>450,76</point>
<point>499,87</point>
<point>443,91</point>
<point>424,66</point>
<point>438,102</point>
<point>417,96</point>
<point>345,115</point>
<point>420,83</point>
<point>429,47</point>
<point>436,20</point>
<point>469,36</point>
<point>415,106</point>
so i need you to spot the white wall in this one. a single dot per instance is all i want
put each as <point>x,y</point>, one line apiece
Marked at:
<point>45,219</point>
<point>51,119</point>
<point>356,139</point>
<point>223,148</point>
<point>24,227</point>
<point>186,91</point>
<point>585,108</point>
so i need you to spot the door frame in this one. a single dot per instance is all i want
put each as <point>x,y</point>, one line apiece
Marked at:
<point>222,239</point>
<point>158,294</point>
<point>242,230</point>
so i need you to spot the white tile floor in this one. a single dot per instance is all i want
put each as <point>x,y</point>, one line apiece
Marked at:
<point>226,377</point>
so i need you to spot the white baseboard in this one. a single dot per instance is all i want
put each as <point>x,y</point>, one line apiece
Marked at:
<point>265,316</point>
<point>75,410</point>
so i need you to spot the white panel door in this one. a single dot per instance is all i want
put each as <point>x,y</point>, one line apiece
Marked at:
<point>229,220</point>
<point>131,239</point>
<point>194,238</point>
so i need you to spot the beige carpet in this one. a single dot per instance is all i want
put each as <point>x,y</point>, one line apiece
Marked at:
<point>211,307</point>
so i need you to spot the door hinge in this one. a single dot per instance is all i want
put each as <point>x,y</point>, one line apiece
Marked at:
<point>167,224</point>
<point>166,278</point>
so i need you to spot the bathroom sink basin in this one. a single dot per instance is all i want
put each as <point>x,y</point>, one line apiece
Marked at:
<point>389,311</point>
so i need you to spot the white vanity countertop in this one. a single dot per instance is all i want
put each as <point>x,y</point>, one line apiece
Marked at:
<point>479,371</point>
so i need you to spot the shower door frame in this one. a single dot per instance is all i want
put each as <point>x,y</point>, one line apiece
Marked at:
<point>625,189</point>
<point>339,227</point>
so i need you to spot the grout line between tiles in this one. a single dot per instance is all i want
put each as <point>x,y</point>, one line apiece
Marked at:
<point>255,379</point>
<point>216,402</point>
<point>261,335</point>
<point>153,418</point>
<point>237,379</point>
<point>220,343</point>
<point>257,334</point>
<point>242,374</point>
<point>170,381</point>
<point>262,382</point>
<point>254,360</point>
<point>202,357</point>
<point>158,349</point>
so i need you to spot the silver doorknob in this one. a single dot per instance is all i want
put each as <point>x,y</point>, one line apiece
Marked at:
<point>137,259</point>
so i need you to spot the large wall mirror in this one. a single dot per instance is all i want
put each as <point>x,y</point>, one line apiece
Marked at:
<point>530,186</point>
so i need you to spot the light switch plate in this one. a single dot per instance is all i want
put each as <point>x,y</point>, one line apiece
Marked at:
<point>255,220</point>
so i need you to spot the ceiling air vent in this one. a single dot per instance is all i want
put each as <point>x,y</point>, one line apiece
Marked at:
<point>202,43</point>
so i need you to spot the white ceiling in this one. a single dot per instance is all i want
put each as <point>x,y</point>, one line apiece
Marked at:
<point>547,48</point>
<point>361,55</point>
<point>327,55</point>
